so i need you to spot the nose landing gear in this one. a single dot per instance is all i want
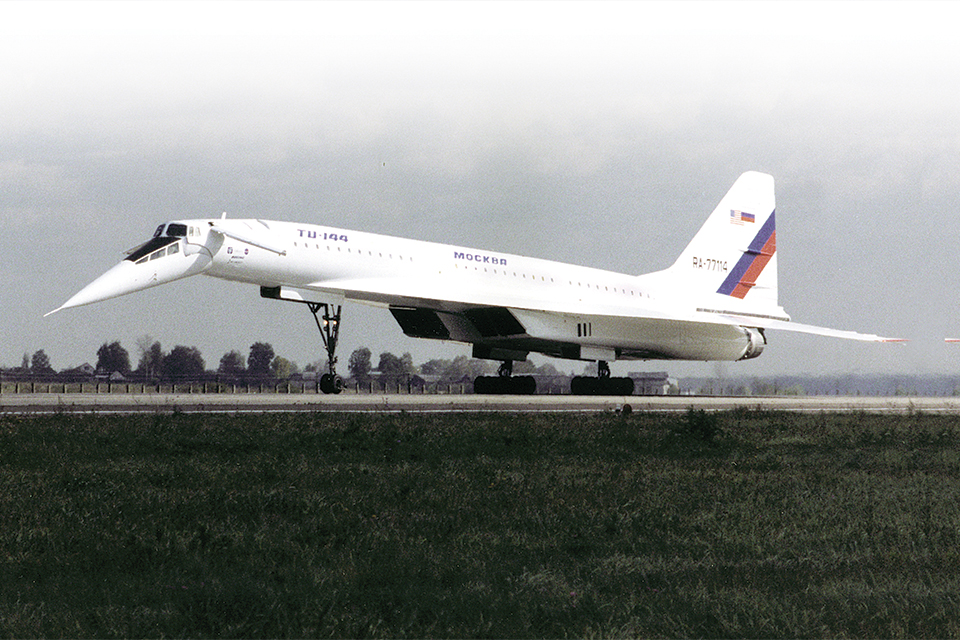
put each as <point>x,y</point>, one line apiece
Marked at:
<point>329,328</point>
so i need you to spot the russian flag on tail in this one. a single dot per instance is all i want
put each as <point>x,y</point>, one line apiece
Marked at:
<point>740,217</point>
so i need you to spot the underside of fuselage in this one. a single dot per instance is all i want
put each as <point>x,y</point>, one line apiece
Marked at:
<point>500,333</point>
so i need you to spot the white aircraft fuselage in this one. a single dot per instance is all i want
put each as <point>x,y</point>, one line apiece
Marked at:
<point>714,303</point>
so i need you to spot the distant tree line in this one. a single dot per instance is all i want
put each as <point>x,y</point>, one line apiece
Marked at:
<point>392,370</point>
<point>261,363</point>
<point>180,363</point>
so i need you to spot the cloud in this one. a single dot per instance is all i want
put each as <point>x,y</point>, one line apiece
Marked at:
<point>595,133</point>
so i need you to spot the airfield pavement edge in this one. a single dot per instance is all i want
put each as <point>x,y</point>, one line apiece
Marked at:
<point>33,403</point>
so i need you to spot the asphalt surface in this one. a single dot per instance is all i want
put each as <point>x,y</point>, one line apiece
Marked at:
<point>39,403</point>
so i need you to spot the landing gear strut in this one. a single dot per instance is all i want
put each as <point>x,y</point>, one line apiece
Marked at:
<point>602,385</point>
<point>603,370</point>
<point>504,382</point>
<point>330,382</point>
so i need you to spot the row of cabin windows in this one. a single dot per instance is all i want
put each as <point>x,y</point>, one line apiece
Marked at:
<point>569,282</point>
<point>306,245</point>
<point>166,251</point>
<point>359,252</point>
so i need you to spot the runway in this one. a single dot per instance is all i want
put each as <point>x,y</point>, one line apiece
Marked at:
<point>49,403</point>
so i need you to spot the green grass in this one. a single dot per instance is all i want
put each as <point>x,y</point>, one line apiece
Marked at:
<point>742,524</point>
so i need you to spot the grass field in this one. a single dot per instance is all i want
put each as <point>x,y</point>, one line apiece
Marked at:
<point>740,524</point>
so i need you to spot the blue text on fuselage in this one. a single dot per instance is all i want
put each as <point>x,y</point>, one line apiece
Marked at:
<point>479,257</point>
<point>323,235</point>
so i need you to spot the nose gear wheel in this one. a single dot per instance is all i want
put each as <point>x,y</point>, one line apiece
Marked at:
<point>329,328</point>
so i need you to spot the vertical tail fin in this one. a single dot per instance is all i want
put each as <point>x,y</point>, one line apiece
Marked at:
<point>731,263</point>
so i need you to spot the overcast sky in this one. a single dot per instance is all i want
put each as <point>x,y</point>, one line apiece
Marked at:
<point>593,133</point>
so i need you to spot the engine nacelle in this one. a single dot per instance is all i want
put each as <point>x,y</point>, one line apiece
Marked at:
<point>756,341</point>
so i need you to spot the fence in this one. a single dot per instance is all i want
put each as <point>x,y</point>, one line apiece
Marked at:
<point>549,386</point>
<point>189,387</point>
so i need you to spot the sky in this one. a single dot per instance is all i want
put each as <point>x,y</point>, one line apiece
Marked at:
<point>601,134</point>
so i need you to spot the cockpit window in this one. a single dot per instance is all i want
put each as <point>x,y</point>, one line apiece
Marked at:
<point>177,230</point>
<point>149,247</point>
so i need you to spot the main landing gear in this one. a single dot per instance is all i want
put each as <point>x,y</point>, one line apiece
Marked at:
<point>504,383</point>
<point>602,385</point>
<point>330,382</point>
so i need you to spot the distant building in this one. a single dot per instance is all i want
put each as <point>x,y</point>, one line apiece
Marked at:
<point>84,373</point>
<point>652,383</point>
<point>552,383</point>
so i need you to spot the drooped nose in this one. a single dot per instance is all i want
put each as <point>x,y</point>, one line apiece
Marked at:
<point>166,264</point>
<point>121,279</point>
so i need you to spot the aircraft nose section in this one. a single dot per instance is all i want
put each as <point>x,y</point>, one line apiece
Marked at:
<point>121,279</point>
<point>159,261</point>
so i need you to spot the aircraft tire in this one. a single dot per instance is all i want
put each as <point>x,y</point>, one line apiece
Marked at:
<point>525,385</point>
<point>512,385</point>
<point>587,386</point>
<point>331,383</point>
<point>624,386</point>
<point>584,386</point>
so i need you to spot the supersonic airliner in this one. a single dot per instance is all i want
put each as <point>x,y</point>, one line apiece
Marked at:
<point>715,303</point>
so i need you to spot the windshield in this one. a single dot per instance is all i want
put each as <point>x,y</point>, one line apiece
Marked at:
<point>150,246</point>
<point>175,229</point>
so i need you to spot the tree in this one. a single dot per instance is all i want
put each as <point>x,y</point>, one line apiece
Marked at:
<point>547,369</point>
<point>464,367</point>
<point>258,362</point>
<point>113,358</point>
<point>40,363</point>
<point>434,367</point>
<point>406,364</point>
<point>359,365</point>
<point>183,362</point>
<point>231,364</point>
<point>395,370</point>
<point>523,367</point>
<point>390,368</point>
<point>316,365</point>
<point>151,358</point>
<point>282,368</point>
